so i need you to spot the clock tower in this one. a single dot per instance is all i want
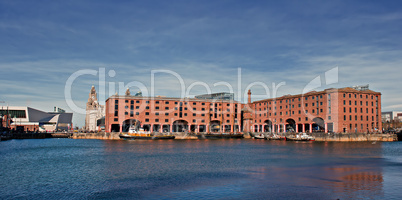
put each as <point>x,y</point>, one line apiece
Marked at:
<point>94,112</point>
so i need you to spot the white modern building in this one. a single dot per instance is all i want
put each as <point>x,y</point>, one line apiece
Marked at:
<point>391,115</point>
<point>29,119</point>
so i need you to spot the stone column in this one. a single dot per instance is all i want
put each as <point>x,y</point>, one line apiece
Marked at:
<point>326,127</point>
<point>304,128</point>
<point>284,128</point>
<point>311,127</point>
<point>297,128</point>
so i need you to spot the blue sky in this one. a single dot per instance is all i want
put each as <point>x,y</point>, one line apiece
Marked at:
<point>44,42</point>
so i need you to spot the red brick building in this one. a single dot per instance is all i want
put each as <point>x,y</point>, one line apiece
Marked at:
<point>332,110</point>
<point>335,110</point>
<point>164,114</point>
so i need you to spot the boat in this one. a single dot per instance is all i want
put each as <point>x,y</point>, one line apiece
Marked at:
<point>134,134</point>
<point>220,136</point>
<point>300,137</point>
<point>260,136</point>
<point>275,137</point>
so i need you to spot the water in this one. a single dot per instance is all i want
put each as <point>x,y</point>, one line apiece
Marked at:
<point>199,169</point>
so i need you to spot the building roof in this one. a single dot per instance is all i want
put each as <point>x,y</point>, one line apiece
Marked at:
<point>326,91</point>
<point>169,98</point>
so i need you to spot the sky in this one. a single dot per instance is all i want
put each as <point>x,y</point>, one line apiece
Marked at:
<point>52,52</point>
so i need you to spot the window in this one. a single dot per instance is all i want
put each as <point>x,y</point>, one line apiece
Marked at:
<point>166,114</point>
<point>157,107</point>
<point>156,120</point>
<point>126,101</point>
<point>125,113</point>
<point>156,113</point>
<point>146,120</point>
<point>116,101</point>
<point>115,119</point>
<point>147,107</point>
<point>166,102</point>
<point>147,102</point>
<point>137,113</point>
<point>137,101</point>
<point>157,102</point>
<point>132,102</point>
<point>166,120</point>
<point>147,113</point>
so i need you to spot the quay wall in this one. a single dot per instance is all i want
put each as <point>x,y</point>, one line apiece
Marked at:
<point>351,137</point>
<point>97,136</point>
<point>321,137</point>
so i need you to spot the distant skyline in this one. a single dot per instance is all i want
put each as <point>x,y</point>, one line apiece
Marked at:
<point>292,42</point>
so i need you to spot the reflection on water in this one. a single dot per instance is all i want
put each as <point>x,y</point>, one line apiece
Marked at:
<point>199,169</point>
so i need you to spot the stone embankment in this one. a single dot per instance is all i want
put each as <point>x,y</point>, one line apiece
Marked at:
<point>98,136</point>
<point>352,137</point>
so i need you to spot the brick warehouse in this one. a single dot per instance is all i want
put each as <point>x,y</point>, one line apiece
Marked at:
<point>332,110</point>
<point>164,114</point>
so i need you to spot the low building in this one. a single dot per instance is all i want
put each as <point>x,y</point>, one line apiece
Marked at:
<point>220,95</point>
<point>29,119</point>
<point>391,116</point>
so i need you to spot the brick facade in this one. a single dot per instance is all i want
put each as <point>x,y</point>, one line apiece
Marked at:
<point>335,110</point>
<point>332,110</point>
<point>159,114</point>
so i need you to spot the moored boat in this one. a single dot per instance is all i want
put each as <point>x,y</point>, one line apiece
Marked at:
<point>300,137</point>
<point>260,136</point>
<point>220,136</point>
<point>134,134</point>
